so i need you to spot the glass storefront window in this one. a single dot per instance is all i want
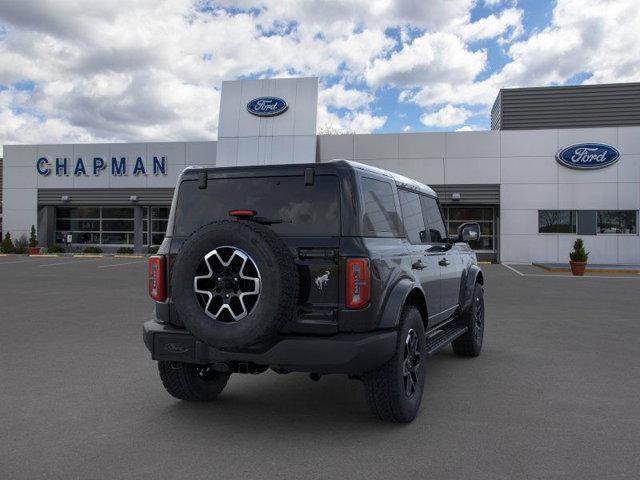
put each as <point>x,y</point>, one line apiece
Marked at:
<point>467,213</point>
<point>159,220</point>
<point>78,224</point>
<point>78,212</point>
<point>618,221</point>
<point>117,238</point>
<point>117,212</point>
<point>117,225</point>
<point>79,237</point>
<point>621,222</point>
<point>556,221</point>
<point>95,225</point>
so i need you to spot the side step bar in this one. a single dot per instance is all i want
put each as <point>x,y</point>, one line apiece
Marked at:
<point>443,337</point>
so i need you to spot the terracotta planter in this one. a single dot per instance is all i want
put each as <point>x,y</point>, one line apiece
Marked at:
<point>34,250</point>
<point>578,268</point>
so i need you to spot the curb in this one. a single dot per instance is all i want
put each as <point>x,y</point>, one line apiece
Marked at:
<point>128,256</point>
<point>590,270</point>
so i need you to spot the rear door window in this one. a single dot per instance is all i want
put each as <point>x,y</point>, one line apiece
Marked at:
<point>304,210</point>
<point>380,214</point>
<point>433,219</point>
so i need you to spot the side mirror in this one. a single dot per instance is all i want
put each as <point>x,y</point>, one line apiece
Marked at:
<point>469,232</point>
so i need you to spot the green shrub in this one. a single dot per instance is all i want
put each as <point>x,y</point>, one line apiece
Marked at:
<point>55,249</point>
<point>124,250</point>
<point>21,244</point>
<point>92,250</point>
<point>153,249</point>
<point>33,238</point>
<point>7,244</point>
<point>579,254</point>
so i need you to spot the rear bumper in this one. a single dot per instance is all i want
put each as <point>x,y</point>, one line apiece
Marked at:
<point>343,353</point>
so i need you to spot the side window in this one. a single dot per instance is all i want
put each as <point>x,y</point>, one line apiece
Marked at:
<point>380,215</point>
<point>433,219</point>
<point>412,216</point>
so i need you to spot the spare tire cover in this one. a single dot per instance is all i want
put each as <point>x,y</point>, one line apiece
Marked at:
<point>234,284</point>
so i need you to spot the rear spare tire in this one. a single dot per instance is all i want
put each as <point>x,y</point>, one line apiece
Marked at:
<point>234,284</point>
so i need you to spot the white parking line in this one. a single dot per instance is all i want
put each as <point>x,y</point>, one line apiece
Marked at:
<point>70,263</point>
<point>513,269</point>
<point>564,276</point>
<point>121,264</point>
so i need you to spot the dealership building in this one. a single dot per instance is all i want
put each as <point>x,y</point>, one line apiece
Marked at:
<point>559,162</point>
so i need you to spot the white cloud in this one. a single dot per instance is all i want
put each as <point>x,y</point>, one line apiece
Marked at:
<point>407,128</point>
<point>509,20</point>
<point>151,69</point>
<point>332,16</point>
<point>432,57</point>
<point>583,37</point>
<point>338,96</point>
<point>358,118</point>
<point>447,116</point>
<point>469,128</point>
<point>351,122</point>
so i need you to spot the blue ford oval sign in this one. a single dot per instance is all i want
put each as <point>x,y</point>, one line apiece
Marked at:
<point>588,156</point>
<point>267,106</point>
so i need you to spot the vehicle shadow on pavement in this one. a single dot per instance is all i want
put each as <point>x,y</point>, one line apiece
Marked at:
<point>292,403</point>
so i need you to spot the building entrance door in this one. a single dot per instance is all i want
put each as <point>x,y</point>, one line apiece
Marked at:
<point>486,247</point>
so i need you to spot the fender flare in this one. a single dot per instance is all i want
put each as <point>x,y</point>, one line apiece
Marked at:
<point>469,278</point>
<point>396,301</point>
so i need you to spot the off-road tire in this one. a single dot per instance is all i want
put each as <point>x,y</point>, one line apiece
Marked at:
<point>278,297</point>
<point>470,344</point>
<point>187,381</point>
<point>385,387</point>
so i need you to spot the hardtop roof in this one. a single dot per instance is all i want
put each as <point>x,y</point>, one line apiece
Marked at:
<point>400,180</point>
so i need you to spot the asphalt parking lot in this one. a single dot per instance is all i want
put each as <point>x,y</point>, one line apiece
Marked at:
<point>555,394</point>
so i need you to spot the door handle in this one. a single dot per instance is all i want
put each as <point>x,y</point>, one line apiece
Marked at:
<point>418,265</point>
<point>444,262</point>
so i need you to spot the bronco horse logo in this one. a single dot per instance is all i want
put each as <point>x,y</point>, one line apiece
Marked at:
<point>322,280</point>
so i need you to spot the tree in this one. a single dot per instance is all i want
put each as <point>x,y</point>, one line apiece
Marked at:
<point>33,238</point>
<point>7,244</point>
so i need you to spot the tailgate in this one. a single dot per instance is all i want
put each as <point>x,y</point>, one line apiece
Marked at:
<point>319,272</point>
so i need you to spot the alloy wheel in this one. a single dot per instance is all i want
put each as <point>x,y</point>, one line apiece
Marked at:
<point>411,363</point>
<point>478,318</point>
<point>227,284</point>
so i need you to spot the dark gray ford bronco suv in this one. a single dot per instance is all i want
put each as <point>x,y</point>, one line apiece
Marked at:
<point>322,268</point>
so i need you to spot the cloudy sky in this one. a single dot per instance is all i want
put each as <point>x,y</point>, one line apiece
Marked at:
<point>126,70</point>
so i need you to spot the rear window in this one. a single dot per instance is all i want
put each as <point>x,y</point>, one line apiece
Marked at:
<point>305,210</point>
<point>380,214</point>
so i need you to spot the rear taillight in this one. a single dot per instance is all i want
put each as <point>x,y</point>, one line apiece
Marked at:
<point>358,282</point>
<point>157,278</point>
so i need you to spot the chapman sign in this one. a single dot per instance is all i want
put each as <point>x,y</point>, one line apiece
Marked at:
<point>96,165</point>
<point>267,106</point>
<point>588,156</point>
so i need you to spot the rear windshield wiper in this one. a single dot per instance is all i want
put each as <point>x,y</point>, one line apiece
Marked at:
<point>270,221</point>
